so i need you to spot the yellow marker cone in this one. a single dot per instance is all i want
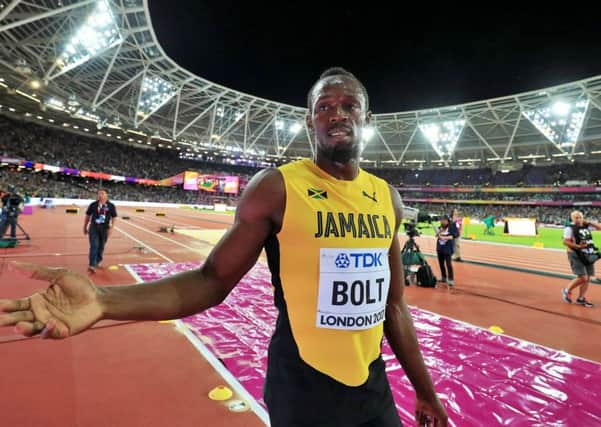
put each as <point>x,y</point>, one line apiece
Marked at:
<point>220,393</point>
<point>496,329</point>
<point>114,267</point>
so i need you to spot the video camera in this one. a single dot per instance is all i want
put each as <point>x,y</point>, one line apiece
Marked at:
<point>12,204</point>
<point>414,217</point>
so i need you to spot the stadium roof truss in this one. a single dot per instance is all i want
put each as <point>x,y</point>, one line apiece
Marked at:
<point>100,60</point>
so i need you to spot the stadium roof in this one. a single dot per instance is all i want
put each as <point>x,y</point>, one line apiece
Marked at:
<point>99,60</point>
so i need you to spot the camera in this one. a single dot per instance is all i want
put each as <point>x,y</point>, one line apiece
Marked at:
<point>414,217</point>
<point>13,205</point>
<point>411,229</point>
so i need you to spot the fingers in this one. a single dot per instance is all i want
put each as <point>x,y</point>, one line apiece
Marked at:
<point>29,329</point>
<point>48,331</point>
<point>10,305</point>
<point>430,419</point>
<point>16,317</point>
<point>38,272</point>
<point>426,419</point>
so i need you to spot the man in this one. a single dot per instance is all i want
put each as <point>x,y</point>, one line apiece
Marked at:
<point>330,233</point>
<point>459,225</point>
<point>12,205</point>
<point>100,219</point>
<point>578,239</point>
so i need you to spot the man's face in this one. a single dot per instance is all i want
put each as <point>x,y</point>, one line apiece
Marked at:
<point>578,219</point>
<point>102,196</point>
<point>337,116</point>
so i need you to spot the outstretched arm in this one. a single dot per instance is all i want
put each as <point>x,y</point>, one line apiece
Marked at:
<point>197,290</point>
<point>72,303</point>
<point>401,336</point>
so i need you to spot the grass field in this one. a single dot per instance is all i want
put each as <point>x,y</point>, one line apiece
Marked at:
<point>547,237</point>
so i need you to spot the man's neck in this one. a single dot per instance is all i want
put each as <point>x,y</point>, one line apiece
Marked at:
<point>344,171</point>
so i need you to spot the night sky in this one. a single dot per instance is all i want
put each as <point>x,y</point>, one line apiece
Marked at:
<point>420,58</point>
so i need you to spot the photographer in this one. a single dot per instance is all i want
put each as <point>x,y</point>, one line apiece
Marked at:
<point>582,255</point>
<point>12,205</point>
<point>445,245</point>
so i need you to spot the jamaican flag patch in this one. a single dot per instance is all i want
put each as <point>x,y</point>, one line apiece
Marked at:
<point>318,194</point>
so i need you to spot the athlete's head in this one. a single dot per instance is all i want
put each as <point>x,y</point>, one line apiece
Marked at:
<point>338,111</point>
<point>577,218</point>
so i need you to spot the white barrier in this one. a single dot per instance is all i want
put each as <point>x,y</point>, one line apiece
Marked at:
<point>36,201</point>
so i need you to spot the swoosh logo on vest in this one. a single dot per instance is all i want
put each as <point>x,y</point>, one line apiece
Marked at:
<point>371,197</point>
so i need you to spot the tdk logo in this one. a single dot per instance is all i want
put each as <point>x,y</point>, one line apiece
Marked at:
<point>342,261</point>
<point>360,260</point>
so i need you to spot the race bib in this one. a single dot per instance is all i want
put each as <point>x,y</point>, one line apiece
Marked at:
<point>353,288</point>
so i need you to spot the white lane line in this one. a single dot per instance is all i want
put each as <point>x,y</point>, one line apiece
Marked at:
<point>183,245</point>
<point>213,361</point>
<point>175,224</point>
<point>227,375</point>
<point>151,249</point>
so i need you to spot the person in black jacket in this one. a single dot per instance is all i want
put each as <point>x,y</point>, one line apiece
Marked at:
<point>100,219</point>
<point>445,245</point>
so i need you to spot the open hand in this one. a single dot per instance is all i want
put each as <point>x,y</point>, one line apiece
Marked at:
<point>67,307</point>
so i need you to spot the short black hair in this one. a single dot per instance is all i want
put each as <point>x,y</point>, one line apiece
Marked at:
<point>338,71</point>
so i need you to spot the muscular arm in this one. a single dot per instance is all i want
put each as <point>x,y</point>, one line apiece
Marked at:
<point>398,326</point>
<point>258,215</point>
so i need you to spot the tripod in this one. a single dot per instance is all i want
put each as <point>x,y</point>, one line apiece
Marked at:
<point>24,235</point>
<point>410,246</point>
<point>410,255</point>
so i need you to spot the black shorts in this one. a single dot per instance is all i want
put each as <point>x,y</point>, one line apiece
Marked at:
<point>300,396</point>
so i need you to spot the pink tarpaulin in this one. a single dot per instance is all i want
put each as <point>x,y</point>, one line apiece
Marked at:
<point>484,379</point>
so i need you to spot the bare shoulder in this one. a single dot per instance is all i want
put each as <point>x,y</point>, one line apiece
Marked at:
<point>397,204</point>
<point>266,184</point>
<point>264,198</point>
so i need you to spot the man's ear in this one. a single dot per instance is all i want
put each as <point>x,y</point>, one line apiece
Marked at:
<point>308,121</point>
<point>367,117</point>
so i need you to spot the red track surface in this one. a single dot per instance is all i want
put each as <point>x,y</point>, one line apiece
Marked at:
<point>148,374</point>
